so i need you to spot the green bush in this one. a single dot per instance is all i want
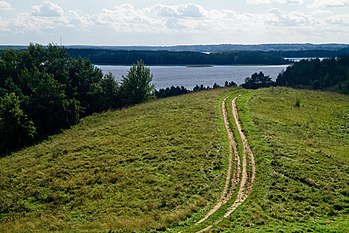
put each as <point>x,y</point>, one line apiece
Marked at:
<point>15,127</point>
<point>136,87</point>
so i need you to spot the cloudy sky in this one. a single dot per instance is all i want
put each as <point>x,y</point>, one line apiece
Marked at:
<point>139,22</point>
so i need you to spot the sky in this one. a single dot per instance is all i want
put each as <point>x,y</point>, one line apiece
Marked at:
<point>176,22</point>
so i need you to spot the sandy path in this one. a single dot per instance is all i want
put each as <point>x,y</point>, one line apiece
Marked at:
<point>230,182</point>
<point>245,187</point>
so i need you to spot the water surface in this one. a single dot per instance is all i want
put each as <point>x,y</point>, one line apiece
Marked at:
<point>189,77</point>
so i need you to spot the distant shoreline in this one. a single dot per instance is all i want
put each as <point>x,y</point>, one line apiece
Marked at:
<point>210,48</point>
<point>198,66</point>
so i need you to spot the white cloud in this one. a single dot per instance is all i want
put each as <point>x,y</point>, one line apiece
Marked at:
<point>189,10</point>
<point>77,19</point>
<point>158,18</point>
<point>331,3</point>
<point>293,1</point>
<point>319,12</point>
<point>176,24</point>
<point>126,18</point>
<point>338,20</point>
<point>5,5</point>
<point>283,18</point>
<point>257,2</point>
<point>47,9</point>
<point>46,17</point>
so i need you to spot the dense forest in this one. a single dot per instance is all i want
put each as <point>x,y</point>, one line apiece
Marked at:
<point>328,74</point>
<point>316,53</point>
<point>125,57</point>
<point>43,90</point>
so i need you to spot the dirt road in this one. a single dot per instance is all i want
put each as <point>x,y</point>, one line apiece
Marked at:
<point>231,181</point>
<point>243,183</point>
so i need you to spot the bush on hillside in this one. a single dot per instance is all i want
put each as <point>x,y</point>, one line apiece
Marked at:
<point>16,128</point>
<point>258,80</point>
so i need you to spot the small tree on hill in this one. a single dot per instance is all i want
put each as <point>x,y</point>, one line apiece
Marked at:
<point>136,87</point>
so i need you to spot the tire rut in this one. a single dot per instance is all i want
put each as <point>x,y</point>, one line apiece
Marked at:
<point>231,182</point>
<point>245,184</point>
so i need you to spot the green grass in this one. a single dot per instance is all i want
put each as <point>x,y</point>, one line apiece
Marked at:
<point>162,166</point>
<point>139,169</point>
<point>189,224</point>
<point>302,181</point>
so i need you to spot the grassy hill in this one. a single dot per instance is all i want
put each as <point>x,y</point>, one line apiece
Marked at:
<point>140,168</point>
<point>302,157</point>
<point>162,165</point>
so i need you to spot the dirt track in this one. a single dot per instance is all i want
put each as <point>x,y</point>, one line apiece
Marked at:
<point>230,182</point>
<point>245,183</point>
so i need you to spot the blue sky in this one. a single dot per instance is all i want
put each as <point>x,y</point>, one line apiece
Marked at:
<point>114,22</point>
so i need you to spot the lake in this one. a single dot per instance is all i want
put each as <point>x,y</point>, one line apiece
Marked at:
<point>189,77</point>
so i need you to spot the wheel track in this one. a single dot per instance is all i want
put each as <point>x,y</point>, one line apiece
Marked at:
<point>230,181</point>
<point>246,185</point>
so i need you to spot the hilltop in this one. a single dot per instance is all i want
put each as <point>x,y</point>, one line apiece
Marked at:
<point>141,168</point>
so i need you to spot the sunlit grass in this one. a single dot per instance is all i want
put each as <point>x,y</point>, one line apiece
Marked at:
<point>143,168</point>
<point>302,161</point>
<point>163,164</point>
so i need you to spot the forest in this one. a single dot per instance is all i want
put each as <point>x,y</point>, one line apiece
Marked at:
<point>329,74</point>
<point>44,90</point>
<point>128,57</point>
<point>315,53</point>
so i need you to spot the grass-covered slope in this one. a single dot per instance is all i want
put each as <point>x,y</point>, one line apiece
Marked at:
<point>163,165</point>
<point>302,159</point>
<point>140,168</point>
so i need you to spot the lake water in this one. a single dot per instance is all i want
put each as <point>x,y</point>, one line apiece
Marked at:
<point>189,77</point>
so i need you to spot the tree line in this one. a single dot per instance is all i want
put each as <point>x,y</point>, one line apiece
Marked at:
<point>315,53</point>
<point>44,90</point>
<point>175,91</point>
<point>329,74</point>
<point>125,57</point>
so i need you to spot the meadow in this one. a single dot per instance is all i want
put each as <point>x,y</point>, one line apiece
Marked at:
<point>161,166</point>
<point>300,139</point>
<point>137,169</point>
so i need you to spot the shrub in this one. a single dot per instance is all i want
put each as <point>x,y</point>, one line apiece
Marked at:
<point>298,102</point>
<point>15,127</point>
